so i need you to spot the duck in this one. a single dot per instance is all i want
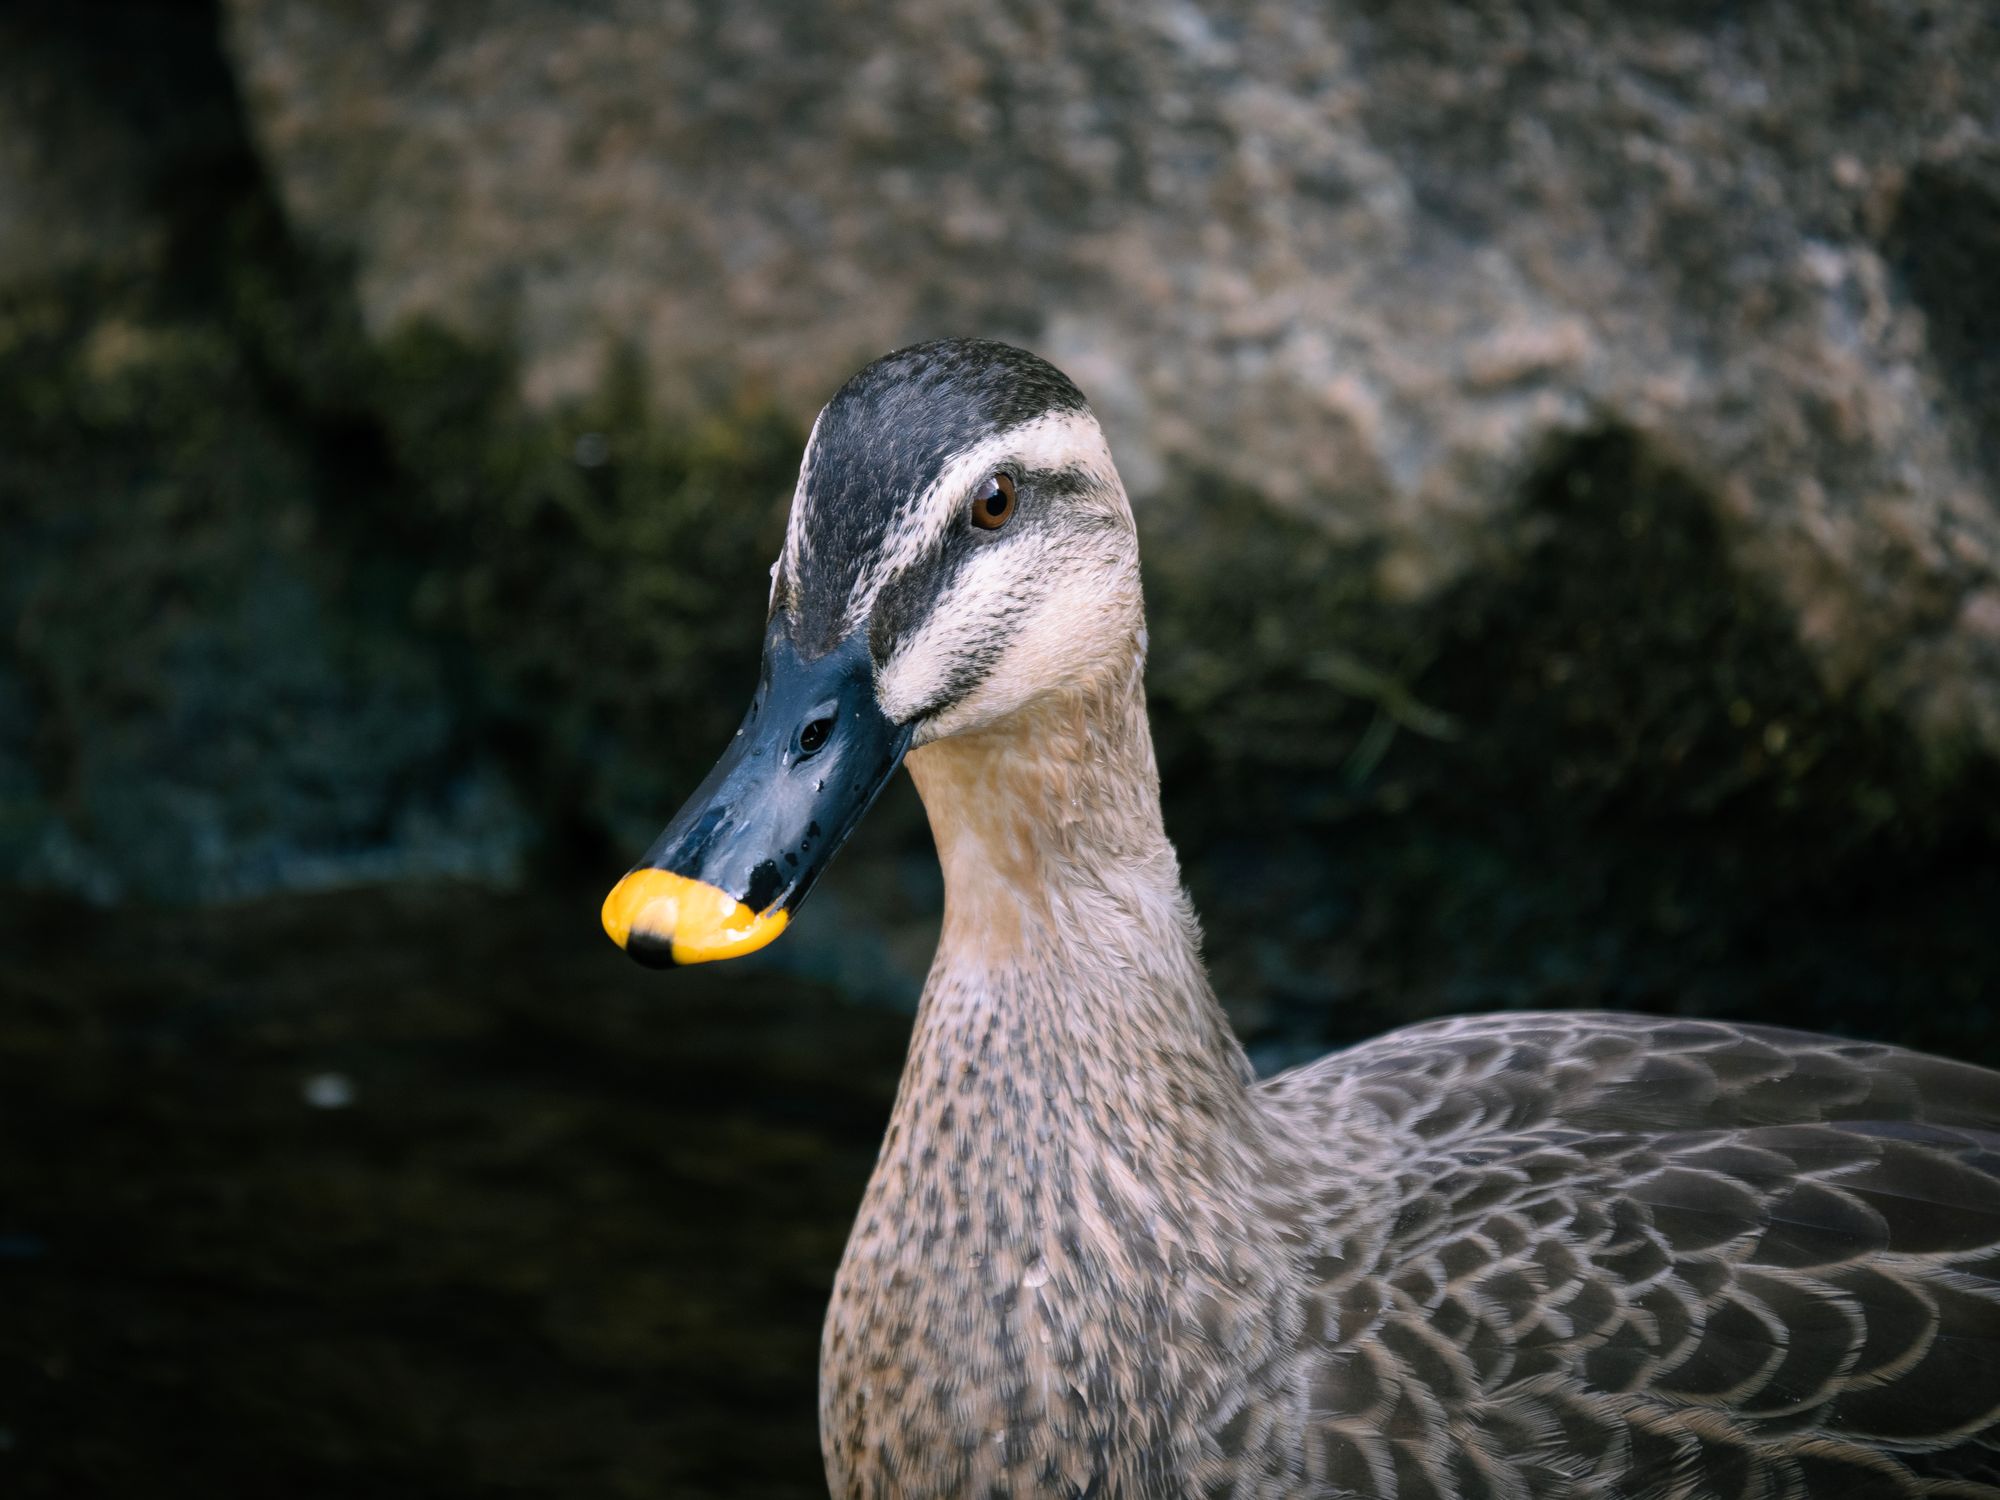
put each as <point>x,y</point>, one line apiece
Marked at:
<point>1557,1256</point>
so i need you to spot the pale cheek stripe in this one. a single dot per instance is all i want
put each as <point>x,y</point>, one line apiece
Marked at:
<point>993,592</point>
<point>1059,440</point>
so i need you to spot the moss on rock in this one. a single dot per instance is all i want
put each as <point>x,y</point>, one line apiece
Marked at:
<point>604,565</point>
<point>208,713</point>
<point>1606,776</point>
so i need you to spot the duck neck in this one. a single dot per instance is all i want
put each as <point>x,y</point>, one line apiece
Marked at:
<point>1068,945</point>
<point>1066,1187</point>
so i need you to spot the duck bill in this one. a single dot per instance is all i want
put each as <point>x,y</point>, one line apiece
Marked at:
<point>739,858</point>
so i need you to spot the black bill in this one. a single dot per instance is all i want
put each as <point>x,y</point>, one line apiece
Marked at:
<point>810,758</point>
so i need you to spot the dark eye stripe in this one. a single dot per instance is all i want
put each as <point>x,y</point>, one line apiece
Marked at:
<point>908,599</point>
<point>973,664</point>
<point>885,436</point>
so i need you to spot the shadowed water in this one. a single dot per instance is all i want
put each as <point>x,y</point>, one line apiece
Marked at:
<point>426,1195</point>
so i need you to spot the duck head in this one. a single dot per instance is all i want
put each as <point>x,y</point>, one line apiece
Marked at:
<point>960,547</point>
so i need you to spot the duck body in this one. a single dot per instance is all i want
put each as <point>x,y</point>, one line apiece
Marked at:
<point>1531,1255</point>
<point>1528,1257</point>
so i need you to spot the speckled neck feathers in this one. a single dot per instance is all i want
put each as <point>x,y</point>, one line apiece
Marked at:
<point>1058,873</point>
<point>1069,1143</point>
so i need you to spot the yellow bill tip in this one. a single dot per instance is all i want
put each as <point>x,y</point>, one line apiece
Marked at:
<point>651,913</point>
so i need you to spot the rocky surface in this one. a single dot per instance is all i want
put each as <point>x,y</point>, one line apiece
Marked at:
<point>204,693</point>
<point>1370,262</point>
<point>1562,436</point>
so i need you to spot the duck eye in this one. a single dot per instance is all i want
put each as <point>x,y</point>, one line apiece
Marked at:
<point>993,503</point>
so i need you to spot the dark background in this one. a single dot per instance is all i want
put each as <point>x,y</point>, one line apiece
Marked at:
<point>1563,446</point>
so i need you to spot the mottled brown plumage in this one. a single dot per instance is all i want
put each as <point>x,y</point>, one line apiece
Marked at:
<point>1550,1256</point>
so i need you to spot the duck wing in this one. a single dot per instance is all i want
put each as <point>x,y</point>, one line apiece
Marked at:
<point>1595,1255</point>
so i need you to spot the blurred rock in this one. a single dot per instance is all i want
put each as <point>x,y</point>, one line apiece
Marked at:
<point>207,691</point>
<point>200,699</point>
<point>1564,445</point>
<point>69,175</point>
<point>1368,262</point>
